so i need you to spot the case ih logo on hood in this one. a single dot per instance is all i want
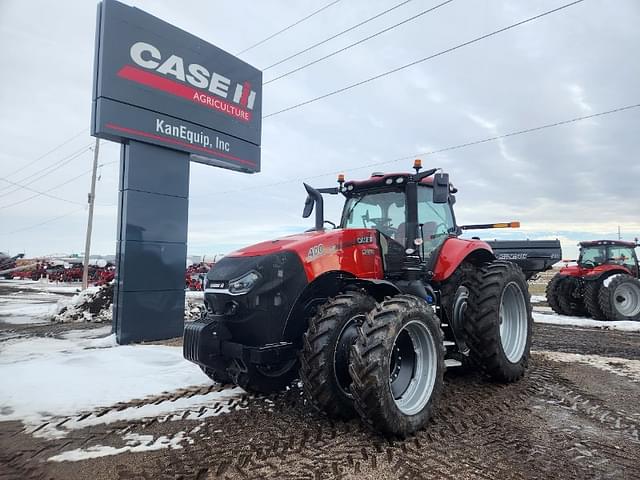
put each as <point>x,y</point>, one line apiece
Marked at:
<point>212,89</point>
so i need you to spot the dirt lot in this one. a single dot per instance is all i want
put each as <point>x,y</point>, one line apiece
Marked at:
<point>571,417</point>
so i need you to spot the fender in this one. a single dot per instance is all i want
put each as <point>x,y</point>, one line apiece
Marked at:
<point>605,270</point>
<point>456,250</point>
<point>328,285</point>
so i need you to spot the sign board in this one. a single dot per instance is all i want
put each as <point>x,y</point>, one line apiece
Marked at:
<point>156,83</point>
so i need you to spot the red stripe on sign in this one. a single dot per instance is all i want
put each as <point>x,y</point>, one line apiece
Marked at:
<point>163,84</point>
<point>175,141</point>
<point>246,90</point>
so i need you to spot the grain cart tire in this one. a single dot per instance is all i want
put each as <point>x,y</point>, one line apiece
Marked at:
<point>217,376</point>
<point>591,301</point>
<point>324,360</point>
<point>397,364</point>
<point>499,322</point>
<point>619,297</point>
<point>552,293</point>
<point>454,295</point>
<point>569,302</point>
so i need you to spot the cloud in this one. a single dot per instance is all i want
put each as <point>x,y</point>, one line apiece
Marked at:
<point>580,179</point>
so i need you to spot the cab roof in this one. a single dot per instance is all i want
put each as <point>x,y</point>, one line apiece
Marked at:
<point>596,243</point>
<point>383,179</point>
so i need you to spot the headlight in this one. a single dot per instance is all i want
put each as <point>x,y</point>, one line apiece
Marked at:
<point>244,283</point>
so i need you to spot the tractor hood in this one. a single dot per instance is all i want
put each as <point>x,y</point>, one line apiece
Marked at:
<point>290,242</point>
<point>353,250</point>
<point>305,243</point>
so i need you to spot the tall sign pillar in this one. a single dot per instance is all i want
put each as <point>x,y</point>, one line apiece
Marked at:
<point>169,98</point>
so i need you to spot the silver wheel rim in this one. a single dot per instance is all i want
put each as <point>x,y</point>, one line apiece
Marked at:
<point>513,322</point>
<point>626,299</point>
<point>415,342</point>
<point>459,308</point>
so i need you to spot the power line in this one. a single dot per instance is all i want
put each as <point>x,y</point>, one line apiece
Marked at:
<point>416,62</point>
<point>311,47</point>
<point>442,150</point>
<point>46,192</point>
<point>287,28</point>
<point>45,222</point>
<point>336,52</point>
<point>84,130</point>
<point>45,172</point>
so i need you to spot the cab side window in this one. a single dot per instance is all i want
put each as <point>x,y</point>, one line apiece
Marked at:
<point>623,256</point>
<point>436,218</point>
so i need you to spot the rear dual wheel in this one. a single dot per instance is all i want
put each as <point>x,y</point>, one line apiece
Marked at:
<point>619,298</point>
<point>499,321</point>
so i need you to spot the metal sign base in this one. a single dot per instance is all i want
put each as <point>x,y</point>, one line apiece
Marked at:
<point>152,243</point>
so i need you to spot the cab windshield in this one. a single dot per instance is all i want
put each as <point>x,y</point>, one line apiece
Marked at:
<point>384,211</point>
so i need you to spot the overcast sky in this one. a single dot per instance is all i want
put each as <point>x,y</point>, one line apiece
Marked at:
<point>573,182</point>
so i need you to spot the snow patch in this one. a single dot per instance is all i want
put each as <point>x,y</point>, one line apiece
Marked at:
<point>218,403</point>
<point>553,319</point>
<point>133,443</point>
<point>538,299</point>
<point>51,377</point>
<point>607,281</point>
<point>620,366</point>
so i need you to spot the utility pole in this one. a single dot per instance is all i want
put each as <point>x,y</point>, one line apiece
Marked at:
<point>92,197</point>
<point>619,236</point>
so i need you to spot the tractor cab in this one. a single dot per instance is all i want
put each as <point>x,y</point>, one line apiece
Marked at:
<point>609,252</point>
<point>412,213</point>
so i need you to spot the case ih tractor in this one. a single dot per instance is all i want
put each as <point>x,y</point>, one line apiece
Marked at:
<point>604,284</point>
<point>368,313</point>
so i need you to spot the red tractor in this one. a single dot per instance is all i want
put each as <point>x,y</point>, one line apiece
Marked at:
<point>369,313</point>
<point>603,284</point>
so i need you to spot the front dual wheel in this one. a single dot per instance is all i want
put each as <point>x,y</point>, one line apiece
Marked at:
<point>397,366</point>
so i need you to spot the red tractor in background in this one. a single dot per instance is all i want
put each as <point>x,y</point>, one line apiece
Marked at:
<point>370,312</point>
<point>604,283</point>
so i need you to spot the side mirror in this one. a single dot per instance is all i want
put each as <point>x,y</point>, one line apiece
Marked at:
<point>441,188</point>
<point>308,207</point>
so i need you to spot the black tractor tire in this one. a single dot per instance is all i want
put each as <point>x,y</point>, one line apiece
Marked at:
<point>394,328</point>
<point>570,304</point>
<point>619,298</point>
<point>324,360</point>
<point>266,379</point>
<point>504,356</point>
<point>591,300</point>
<point>452,294</point>
<point>217,376</point>
<point>552,293</point>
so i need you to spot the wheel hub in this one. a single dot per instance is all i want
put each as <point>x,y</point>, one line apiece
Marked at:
<point>513,322</point>
<point>457,322</point>
<point>413,366</point>
<point>627,299</point>
<point>346,338</point>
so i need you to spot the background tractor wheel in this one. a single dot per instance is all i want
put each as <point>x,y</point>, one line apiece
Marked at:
<point>324,360</point>
<point>619,298</point>
<point>266,379</point>
<point>552,293</point>
<point>499,321</point>
<point>569,302</point>
<point>397,364</point>
<point>217,376</point>
<point>591,303</point>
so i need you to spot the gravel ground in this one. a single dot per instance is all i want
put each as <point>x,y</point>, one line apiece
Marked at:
<point>565,419</point>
